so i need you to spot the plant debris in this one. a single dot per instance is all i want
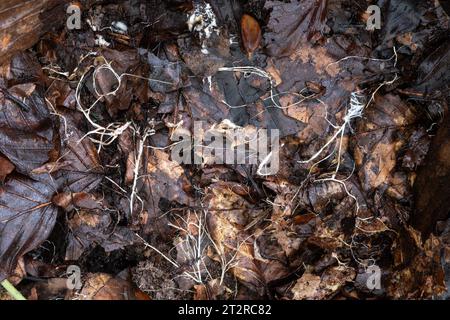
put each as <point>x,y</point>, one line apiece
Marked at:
<point>112,186</point>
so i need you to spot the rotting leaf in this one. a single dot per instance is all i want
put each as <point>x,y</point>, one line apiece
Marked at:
<point>82,171</point>
<point>313,287</point>
<point>165,179</point>
<point>379,139</point>
<point>6,167</point>
<point>95,227</point>
<point>228,217</point>
<point>292,23</point>
<point>33,128</point>
<point>102,286</point>
<point>419,275</point>
<point>27,217</point>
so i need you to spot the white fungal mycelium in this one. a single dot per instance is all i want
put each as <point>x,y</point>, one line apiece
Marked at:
<point>119,27</point>
<point>101,42</point>
<point>203,21</point>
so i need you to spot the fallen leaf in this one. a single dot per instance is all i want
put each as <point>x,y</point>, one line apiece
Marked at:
<point>251,33</point>
<point>102,286</point>
<point>27,217</point>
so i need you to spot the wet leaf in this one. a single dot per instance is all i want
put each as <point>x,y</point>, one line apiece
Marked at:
<point>103,286</point>
<point>292,23</point>
<point>27,217</point>
<point>33,128</point>
<point>380,138</point>
<point>229,215</point>
<point>312,287</point>
<point>79,168</point>
<point>6,167</point>
<point>95,227</point>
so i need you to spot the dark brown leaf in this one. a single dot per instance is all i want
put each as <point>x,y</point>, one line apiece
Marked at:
<point>33,128</point>
<point>6,167</point>
<point>292,23</point>
<point>82,171</point>
<point>27,217</point>
<point>95,227</point>
<point>101,286</point>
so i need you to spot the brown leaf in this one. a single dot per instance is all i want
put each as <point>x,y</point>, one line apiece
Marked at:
<point>88,228</point>
<point>292,23</point>
<point>417,149</point>
<point>32,128</point>
<point>165,179</point>
<point>251,33</point>
<point>379,139</point>
<point>230,214</point>
<point>6,167</point>
<point>27,217</point>
<point>419,272</point>
<point>82,200</point>
<point>82,171</point>
<point>102,286</point>
<point>314,287</point>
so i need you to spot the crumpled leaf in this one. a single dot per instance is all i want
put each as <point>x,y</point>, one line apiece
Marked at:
<point>27,217</point>
<point>420,273</point>
<point>228,217</point>
<point>312,287</point>
<point>95,227</point>
<point>102,286</point>
<point>79,168</point>
<point>379,139</point>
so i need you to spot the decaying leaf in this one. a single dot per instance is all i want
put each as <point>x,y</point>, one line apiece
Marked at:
<point>228,217</point>
<point>82,170</point>
<point>103,286</point>
<point>88,228</point>
<point>6,167</point>
<point>421,274</point>
<point>314,287</point>
<point>27,217</point>
<point>380,138</point>
<point>32,128</point>
<point>291,23</point>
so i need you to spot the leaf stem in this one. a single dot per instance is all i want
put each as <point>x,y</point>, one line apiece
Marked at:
<point>13,292</point>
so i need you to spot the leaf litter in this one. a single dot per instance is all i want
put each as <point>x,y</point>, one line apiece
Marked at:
<point>89,122</point>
